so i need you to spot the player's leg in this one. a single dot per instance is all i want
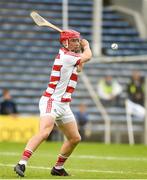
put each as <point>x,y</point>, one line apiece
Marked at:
<point>46,126</point>
<point>70,130</point>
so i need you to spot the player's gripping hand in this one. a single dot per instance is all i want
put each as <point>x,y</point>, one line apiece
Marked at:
<point>80,67</point>
<point>86,53</point>
<point>84,44</point>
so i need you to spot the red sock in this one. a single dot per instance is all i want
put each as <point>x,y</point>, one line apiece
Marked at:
<point>60,161</point>
<point>26,154</point>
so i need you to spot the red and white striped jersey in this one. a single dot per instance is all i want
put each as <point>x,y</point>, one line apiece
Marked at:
<point>64,76</point>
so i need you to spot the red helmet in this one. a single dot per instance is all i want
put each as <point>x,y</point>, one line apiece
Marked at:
<point>69,34</point>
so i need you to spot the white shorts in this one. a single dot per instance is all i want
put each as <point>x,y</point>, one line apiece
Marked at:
<point>135,109</point>
<point>59,110</point>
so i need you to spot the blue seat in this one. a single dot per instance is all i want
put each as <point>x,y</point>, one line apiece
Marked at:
<point>119,31</point>
<point>112,16</point>
<point>123,38</point>
<point>119,24</point>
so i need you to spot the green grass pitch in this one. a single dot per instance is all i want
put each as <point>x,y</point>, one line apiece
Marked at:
<point>89,161</point>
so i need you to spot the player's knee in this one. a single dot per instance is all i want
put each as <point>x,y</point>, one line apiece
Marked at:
<point>76,139</point>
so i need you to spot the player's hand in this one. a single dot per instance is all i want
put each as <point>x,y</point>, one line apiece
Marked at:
<point>80,67</point>
<point>84,43</point>
<point>86,53</point>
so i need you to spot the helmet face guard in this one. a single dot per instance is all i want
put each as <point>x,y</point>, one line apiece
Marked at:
<point>69,34</point>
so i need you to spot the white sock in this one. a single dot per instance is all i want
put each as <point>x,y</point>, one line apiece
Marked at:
<point>59,167</point>
<point>23,162</point>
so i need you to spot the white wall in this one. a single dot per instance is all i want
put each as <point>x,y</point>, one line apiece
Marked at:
<point>144,11</point>
<point>132,4</point>
<point>97,24</point>
<point>137,5</point>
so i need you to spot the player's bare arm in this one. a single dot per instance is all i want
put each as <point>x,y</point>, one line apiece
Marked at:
<point>87,54</point>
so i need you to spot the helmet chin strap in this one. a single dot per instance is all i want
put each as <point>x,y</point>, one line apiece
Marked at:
<point>66,44</point>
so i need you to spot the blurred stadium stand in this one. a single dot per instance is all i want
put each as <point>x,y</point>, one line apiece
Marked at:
<point>27,52</point>
<point>119,30</point>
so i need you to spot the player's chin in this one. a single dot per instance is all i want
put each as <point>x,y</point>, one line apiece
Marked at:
<point>77,50</point>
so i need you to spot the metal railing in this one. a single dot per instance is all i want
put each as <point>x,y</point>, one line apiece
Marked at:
<point>99,106</point>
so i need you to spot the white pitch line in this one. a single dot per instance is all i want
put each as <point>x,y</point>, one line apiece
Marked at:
<point>109,158</point>
<point>81,170</point>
